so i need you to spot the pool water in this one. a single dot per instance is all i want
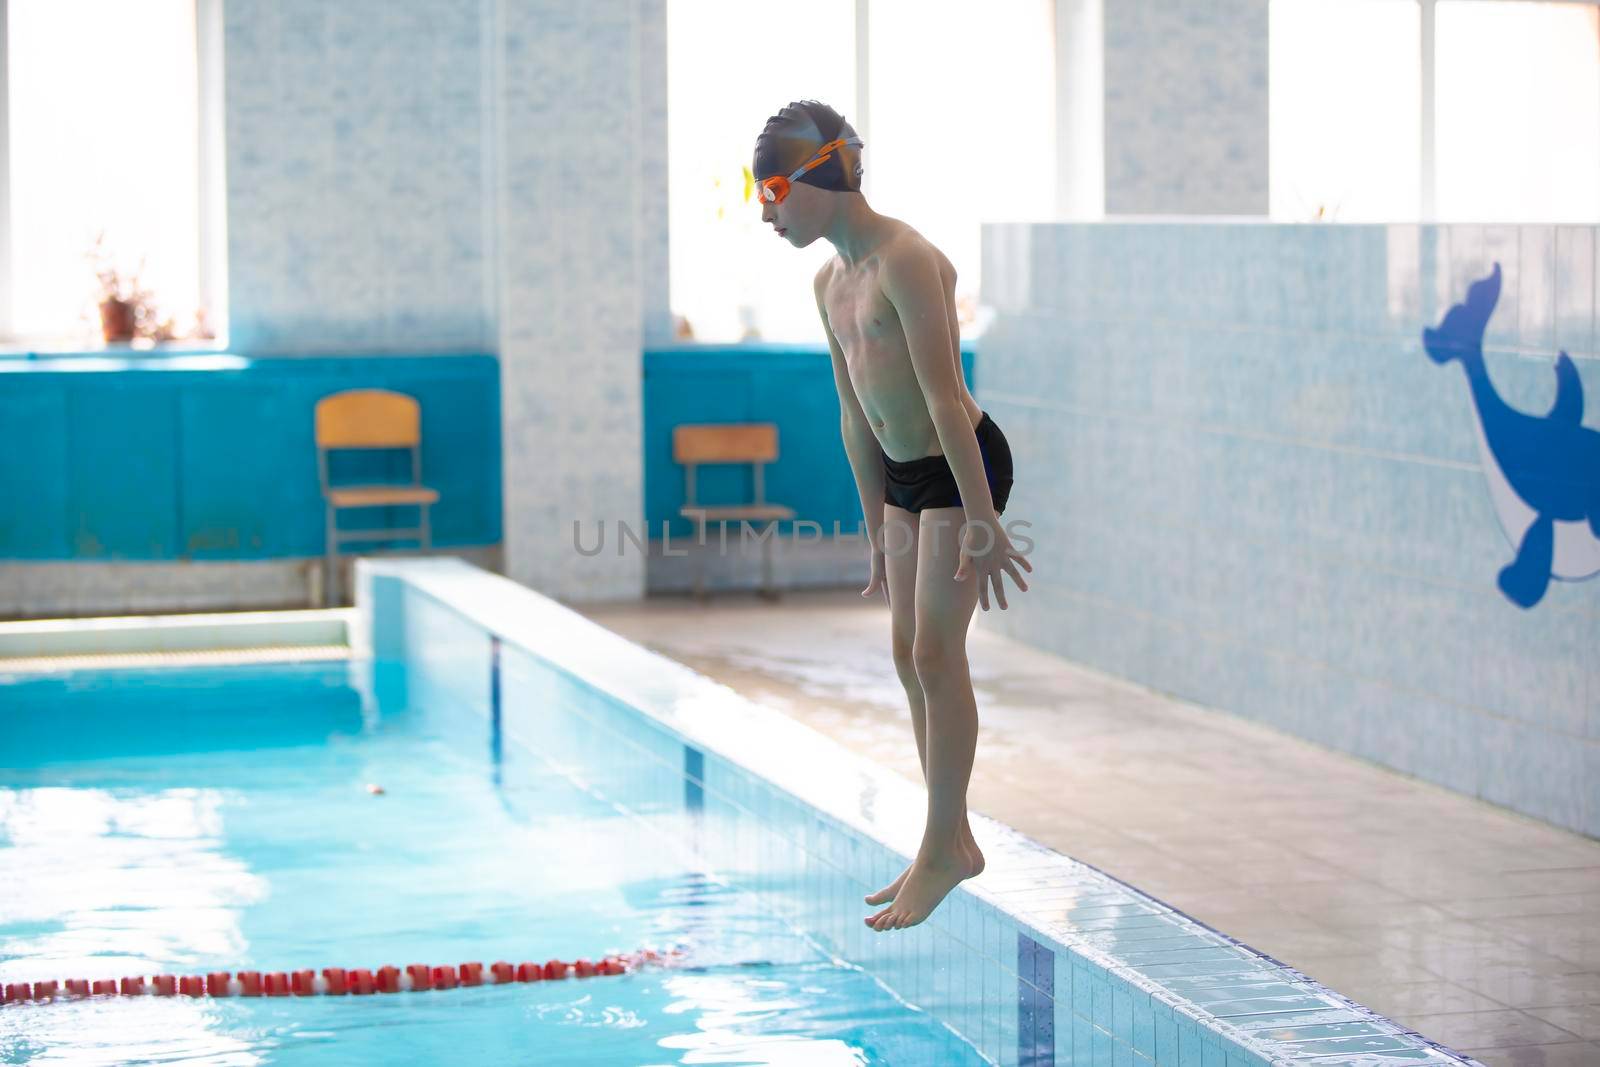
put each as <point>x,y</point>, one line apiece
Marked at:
<point>182,821</point>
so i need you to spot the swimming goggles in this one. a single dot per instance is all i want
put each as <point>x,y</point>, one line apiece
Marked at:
<point>772,190</point>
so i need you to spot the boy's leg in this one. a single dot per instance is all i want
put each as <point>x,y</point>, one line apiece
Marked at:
<point>900,570</point>
<point>943,613</point>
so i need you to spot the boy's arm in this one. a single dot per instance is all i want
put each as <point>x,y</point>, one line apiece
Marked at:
<point>860,443</point>
<point>910,279</point>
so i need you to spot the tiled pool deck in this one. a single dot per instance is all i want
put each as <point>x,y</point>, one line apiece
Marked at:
<point>1473,925</point>
<point>1042,959</point>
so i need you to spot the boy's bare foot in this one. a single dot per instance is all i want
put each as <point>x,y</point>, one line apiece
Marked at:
<point>886,894</point>
<point>929,881</point>
<point>970,853</point>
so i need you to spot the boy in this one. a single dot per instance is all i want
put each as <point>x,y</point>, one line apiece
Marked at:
<point>932,468</point>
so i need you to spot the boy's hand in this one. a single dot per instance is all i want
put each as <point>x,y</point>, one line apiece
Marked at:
<point>1001,558</point>
<point>879,577</point>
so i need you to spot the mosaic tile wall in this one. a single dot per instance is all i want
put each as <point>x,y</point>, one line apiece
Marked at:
<point>1185,107</point>
<point>357,176</point>
<point>572,278</point>
<point>1252,487</point>
<point>427,176</point>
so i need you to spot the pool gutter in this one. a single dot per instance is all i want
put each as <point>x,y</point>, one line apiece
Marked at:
<point>255,636</point>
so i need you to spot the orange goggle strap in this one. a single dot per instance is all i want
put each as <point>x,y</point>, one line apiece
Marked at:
<point>776,187</point>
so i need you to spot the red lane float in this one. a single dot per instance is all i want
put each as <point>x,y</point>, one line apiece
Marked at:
<point>331,981</point>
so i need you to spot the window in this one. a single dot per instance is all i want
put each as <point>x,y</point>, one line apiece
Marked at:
<point>1344,130</point>
<point>1515,121</point>
<point>963,121</point>
<point>960,131</point>
<point>1518,126</point>
<point>102,126</point>
<point>728,69</point>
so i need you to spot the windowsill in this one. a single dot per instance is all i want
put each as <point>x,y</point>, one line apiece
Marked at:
<point>762,348</point>
<point>971,332</point>
<point>114,350</point>
<point>752,347</point>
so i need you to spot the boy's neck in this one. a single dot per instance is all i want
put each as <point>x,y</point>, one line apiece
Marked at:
<point>856,229</point>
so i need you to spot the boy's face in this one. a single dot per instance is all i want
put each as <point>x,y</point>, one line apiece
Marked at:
<point>799,219</point>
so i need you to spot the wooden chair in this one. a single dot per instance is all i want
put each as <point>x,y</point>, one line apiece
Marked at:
<point>369,419</point>
<point>755,443</point>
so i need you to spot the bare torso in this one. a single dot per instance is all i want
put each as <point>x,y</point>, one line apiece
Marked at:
<point>876,354</point>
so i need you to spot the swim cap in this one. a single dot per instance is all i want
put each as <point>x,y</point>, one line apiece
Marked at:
<point>793,135</point>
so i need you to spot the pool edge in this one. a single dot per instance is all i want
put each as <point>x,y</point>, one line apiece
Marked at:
<point>712,717</point>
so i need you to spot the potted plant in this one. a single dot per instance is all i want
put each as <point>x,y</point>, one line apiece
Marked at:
<point>118,296</point>
<point>125,306</point>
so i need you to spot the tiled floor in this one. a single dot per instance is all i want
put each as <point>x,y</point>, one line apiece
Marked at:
<point>1473,925</point>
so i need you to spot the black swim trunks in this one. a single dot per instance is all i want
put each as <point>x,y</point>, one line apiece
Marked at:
<point>928,482</point>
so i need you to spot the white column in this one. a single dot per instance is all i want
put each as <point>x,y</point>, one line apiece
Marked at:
<point>213,186</point>
<point>862,119</point>
<point>571,158</point>
<point>1186,107</point>
<point>654,237</point>
<point>1427,202</point>
<point>1080,109</point>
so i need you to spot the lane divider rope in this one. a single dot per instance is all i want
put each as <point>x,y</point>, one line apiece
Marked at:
<point>331,981</point>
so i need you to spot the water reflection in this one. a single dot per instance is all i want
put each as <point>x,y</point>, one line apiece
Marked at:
<point>117,885</point>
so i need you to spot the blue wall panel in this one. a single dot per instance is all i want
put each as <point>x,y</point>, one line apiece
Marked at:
<point>122,471</point>
<point>226,512</point>
<point>33,473</point>
<point>213,457</point>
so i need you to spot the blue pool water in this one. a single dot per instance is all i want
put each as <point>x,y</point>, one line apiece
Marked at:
<point>180,821</point>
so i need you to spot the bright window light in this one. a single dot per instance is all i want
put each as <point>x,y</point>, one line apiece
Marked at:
<point>104,122</point>
<point>963,120</point>
<point>1518,111</point>
<point>1344,110</point>
<point>961,130</point>
<point>728,69</point>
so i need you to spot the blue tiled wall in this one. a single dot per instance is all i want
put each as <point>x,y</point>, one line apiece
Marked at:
<point>1251,487</point>
<point>790,385</point>
<point>214,457</point>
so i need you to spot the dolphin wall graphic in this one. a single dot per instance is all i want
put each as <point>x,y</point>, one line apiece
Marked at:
<point>1543,471</point>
